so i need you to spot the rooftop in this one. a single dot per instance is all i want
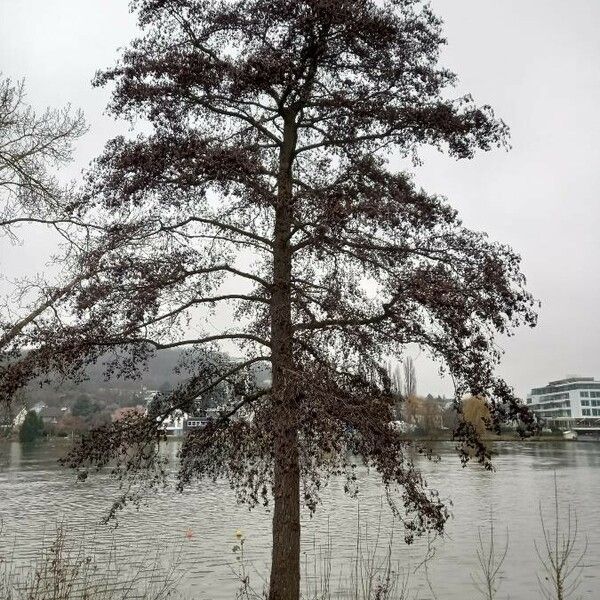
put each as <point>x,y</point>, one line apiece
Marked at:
<point>568,383</point>
<point>570,379</point>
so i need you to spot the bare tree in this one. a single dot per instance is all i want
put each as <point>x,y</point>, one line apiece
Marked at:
<point>264,186</point>
<point>32,146</point>
<point>410,377</point>
<point>490,559</point>
<point>395,376</point>
<point>562,553</point>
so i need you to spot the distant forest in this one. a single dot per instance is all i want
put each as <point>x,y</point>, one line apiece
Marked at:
<point>99,384</point>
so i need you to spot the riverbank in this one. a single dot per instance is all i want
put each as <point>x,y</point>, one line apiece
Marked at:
<point>437,437</point>
<point>447,437</point>
<point>489,437</point>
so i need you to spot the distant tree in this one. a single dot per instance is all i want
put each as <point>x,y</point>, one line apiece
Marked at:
<point>395,378</point>
<point>450,418</point>
<point>32,428</point>
<point>476,412</point>
<point>261,179</point>
<point>70,424</point>
<point>411,409</point>
<point>432,416</point>
<point>410,377</point>
<point>422,412</point>
<point>84,407</point>
<point>6,420</point>
<point>33,146</point>
<point>99,418</point>
<point>157,405</point>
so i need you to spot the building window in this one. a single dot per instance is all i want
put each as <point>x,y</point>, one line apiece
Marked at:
<point>584,394</point>
<point>595,412</point>
<point>585,403</point>
<point>528,400</point>
<point>585,412</point>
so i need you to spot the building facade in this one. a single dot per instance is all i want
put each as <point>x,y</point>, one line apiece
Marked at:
<point>571,403</point>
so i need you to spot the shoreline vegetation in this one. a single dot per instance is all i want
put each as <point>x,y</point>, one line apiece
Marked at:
<point>441,437</point>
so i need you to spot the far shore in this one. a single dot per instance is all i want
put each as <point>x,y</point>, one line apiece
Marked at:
<point>437,437</point>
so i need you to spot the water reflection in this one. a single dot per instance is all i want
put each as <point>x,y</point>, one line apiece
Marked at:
<point>35,493</point>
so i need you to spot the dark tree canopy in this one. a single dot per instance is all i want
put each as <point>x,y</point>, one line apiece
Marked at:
<point>263,184</point>
<point>31,428</point>
<point>84,407</point>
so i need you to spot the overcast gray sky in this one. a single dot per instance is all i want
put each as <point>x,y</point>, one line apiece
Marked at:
<point>537,62</point>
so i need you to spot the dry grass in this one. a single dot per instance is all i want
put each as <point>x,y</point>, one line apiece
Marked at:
<point>65,570</point>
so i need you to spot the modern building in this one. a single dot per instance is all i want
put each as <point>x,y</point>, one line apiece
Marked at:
<point>571,403</point>
<point>195,422</point>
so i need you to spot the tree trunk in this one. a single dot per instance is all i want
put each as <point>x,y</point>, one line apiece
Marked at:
<point>285,566</point>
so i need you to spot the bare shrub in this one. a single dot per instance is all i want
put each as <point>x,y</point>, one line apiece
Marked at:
<point>490,559</point>
<point>562,553</point>
<point>69,571</point>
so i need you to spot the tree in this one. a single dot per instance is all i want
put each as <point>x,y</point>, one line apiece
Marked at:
<point>410,377</point>
<point>264,184</point>
<point>84,407</point>
<point>432,416</point>
<point>476,413</point>
<point>157,405</point>
<point>562,553</point>
<point>395,376</point>
<point>31,147</point>
<point>412,408</point>
<point>70,424</point>
<point>32,428</point>
<point>450,418</point>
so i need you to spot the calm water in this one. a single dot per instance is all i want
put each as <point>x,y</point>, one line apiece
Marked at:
<point>200,524</point>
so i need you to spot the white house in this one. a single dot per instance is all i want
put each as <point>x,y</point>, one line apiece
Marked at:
<point>173,424</point>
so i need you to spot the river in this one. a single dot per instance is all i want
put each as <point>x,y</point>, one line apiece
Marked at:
<point>196,529</point>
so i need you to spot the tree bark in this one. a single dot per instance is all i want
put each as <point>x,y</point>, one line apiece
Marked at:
<point>285,565</point>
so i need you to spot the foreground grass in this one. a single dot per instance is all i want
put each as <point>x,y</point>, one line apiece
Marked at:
<point>65,569</point>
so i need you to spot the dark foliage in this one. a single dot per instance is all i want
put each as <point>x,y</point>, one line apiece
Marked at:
<point>32,428</point>
<point>84,407</point>
<point>264,185</point>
